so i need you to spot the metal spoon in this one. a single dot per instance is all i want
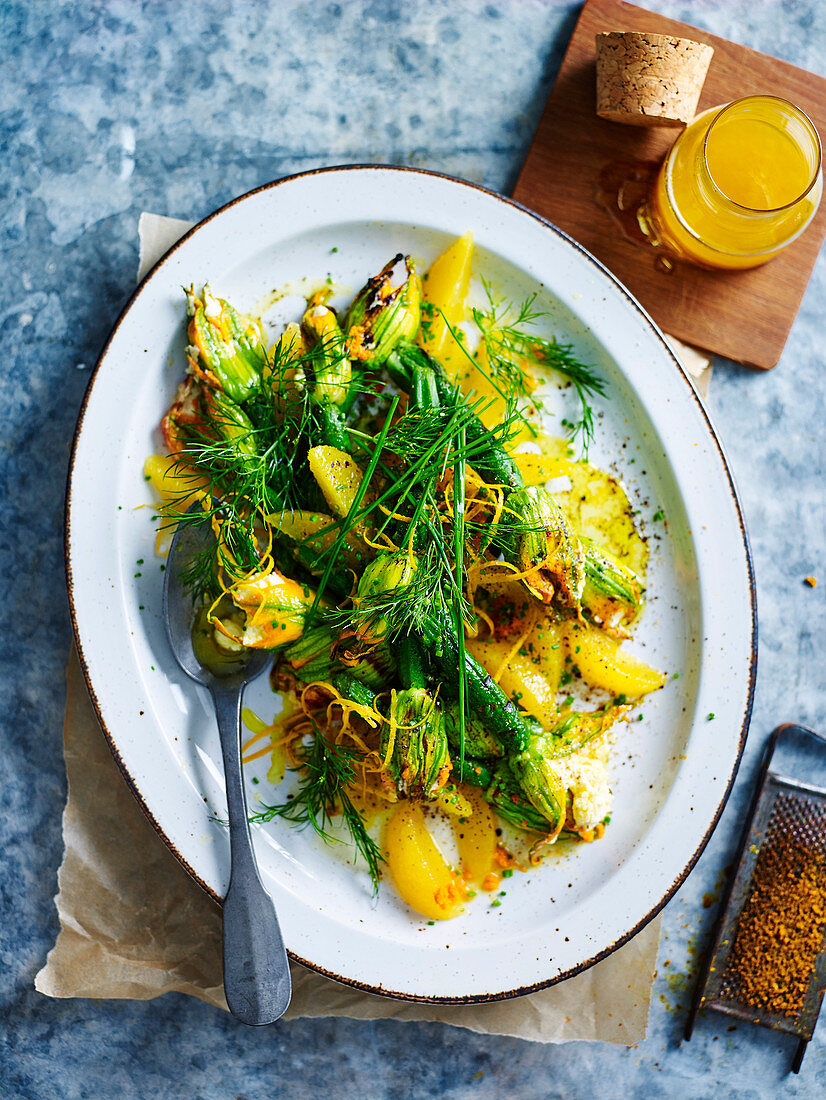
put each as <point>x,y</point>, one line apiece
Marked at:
<point>256,971</point>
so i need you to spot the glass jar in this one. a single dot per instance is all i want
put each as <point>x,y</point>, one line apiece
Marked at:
<point>739,184</point>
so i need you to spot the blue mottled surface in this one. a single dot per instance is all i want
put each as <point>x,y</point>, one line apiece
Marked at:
<point>108,108</point>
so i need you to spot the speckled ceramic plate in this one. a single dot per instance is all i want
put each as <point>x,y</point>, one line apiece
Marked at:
<point>673,769</point>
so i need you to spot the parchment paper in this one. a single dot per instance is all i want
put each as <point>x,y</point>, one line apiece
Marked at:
<point>133,924</point>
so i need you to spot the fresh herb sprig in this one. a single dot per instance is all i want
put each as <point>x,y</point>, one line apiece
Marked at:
<point>257,472</point>
<point>200,576</point>
<point>326,772</point>
<point>508,343</point>
<point>459,585</point>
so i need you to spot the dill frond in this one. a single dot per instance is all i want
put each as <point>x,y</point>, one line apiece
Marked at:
<point>508,344</point>
<point>404,610</point>
<point>326,772</point>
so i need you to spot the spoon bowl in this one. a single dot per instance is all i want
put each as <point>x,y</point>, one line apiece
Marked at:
<point>178,611</point>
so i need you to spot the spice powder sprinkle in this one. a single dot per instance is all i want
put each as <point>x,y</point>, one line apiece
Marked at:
<point>781,928</point>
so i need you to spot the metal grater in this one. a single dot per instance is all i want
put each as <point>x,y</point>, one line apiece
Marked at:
<point>786,814</point>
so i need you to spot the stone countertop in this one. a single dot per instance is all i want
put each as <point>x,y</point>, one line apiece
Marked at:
<point>113,107</point>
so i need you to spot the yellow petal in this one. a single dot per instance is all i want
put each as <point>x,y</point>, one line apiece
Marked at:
<point>338,477</point>
<point>445,288</point>
<point>522,676</point>
<point>476,838</point>
<point>418,868</point>
<point>605,664</point>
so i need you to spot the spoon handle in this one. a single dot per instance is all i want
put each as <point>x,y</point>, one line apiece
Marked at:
<point>256,971</point>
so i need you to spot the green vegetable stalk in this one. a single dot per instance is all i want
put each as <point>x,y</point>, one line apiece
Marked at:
<point>484,696</point>
<point>353,689</point>
<point>479,742</point>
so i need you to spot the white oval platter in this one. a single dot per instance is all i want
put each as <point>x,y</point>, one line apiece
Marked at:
<point>673,769</point>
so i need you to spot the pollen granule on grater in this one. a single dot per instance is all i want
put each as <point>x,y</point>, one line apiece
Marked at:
<point>780,931</point>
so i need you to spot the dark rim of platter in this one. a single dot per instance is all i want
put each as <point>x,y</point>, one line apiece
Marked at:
<point>672,889</point>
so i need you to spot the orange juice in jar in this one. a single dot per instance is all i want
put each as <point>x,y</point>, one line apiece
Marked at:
<point>739,184</point>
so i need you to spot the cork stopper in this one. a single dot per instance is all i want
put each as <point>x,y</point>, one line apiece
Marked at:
<point>649,79</point>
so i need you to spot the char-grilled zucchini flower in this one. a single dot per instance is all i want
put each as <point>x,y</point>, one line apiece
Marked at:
<point>414,744</point>
<point>542,769</point>
<point>276,608</point>
<point>226,349</point>
<point>328,364</point>
<point>380,586</point>
<point>227,421</point>
<point>613,594</point>
<point>549,554</point>
<point>385,312</point>
<point>506,796</point>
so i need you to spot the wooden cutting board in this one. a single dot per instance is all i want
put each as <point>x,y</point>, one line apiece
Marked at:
<point>744,315</point>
